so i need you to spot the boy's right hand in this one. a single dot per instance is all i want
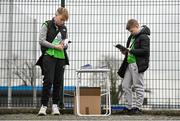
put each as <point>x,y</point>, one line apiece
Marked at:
<point>124,52</point>
<point>59,47</point>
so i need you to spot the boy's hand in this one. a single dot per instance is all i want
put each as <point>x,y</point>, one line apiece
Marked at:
<point>59,47</point>
<point>65,42</point>
<point>124,52</point>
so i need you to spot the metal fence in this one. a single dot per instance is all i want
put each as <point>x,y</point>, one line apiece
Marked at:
<point>94,27</point>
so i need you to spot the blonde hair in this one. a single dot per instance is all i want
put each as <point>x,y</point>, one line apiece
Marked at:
<point>132,23</point>
<point>64,12</point>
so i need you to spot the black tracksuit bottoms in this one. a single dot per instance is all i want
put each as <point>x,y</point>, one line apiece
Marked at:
<point>53,76</point>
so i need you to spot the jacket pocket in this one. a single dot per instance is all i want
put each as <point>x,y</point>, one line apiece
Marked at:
<point>142,64</point>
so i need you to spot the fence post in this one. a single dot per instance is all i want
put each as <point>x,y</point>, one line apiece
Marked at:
<point>9,55</point>
<point>34,61</point>
<point>62,3</point>
<point>61,101</point>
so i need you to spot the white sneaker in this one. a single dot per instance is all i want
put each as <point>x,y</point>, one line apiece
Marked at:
<point>55,109</point>
<point>42,111</point>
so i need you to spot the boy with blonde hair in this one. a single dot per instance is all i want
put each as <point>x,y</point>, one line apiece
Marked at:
<point>52,38</point>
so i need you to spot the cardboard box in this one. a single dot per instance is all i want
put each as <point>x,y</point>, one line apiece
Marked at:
<point>90,101</point>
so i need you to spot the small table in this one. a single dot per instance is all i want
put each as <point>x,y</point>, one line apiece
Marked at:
<point>105,92</point>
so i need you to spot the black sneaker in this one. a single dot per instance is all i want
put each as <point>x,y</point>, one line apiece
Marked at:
<point>135,111</point>
<point>125,111</point>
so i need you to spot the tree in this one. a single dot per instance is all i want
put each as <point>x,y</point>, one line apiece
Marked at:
<point>25,71</point>
<point>113,64</point>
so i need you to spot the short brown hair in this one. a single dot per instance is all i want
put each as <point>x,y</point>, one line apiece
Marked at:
<point>64,12</point>
<point>132,23</point>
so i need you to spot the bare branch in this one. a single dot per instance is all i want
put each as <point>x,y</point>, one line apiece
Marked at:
<point>25,71</point>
